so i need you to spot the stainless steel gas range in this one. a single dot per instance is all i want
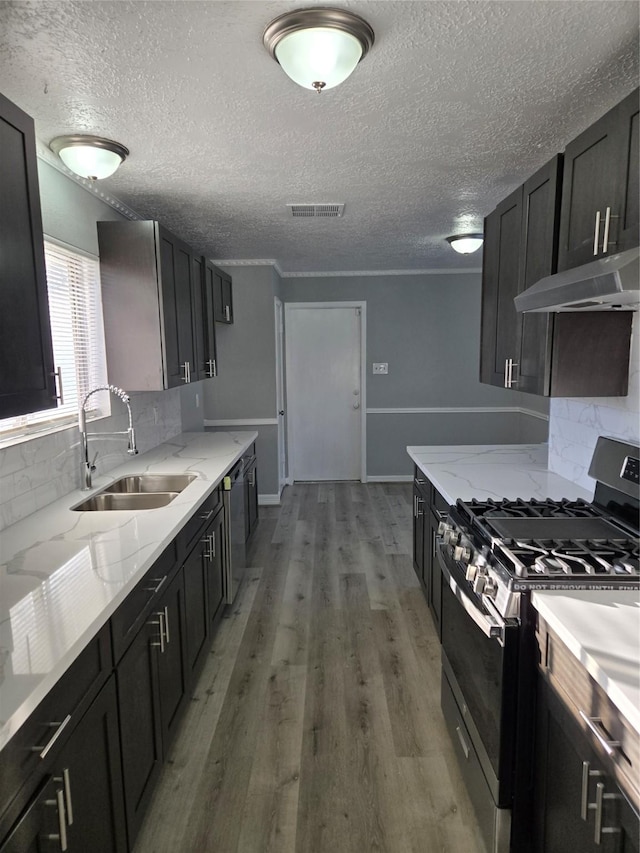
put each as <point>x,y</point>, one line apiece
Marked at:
<point>492,555</point>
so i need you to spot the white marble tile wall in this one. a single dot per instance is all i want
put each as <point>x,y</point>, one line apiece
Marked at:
<point>36,472</point>
<point>575,423</point>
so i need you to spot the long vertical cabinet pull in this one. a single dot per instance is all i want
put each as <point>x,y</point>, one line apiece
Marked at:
<point>160,622</point>
<point>166,624</point>
<point>62,822</point>
<point>68,802</point>
<point>596,234</point>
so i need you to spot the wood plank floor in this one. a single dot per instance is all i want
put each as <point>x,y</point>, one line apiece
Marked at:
<point>315,726</point>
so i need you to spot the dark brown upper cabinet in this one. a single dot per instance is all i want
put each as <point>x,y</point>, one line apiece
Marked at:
<point>148,305</point>
<point>27,382</point>
<point>570,354</point>
<point>599,213</point>
<point>223,296</point>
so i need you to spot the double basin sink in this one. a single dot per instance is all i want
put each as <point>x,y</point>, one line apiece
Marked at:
<point>137,491</point>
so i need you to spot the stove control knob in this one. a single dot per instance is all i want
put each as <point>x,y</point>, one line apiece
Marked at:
<point>443,526</point>
<point>451,536</point>
<point>462,553</point>
<point>471,572</point>
<point>478,584</point>
<point>490,588</point>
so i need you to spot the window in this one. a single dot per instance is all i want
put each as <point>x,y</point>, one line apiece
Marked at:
<point>75,308</point>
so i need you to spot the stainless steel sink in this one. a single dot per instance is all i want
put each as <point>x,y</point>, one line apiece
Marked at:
<point>150,483</point>
<point>125,501</point>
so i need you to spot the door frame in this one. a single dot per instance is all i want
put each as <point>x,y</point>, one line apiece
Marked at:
<point>283,465</point>
<point>362,305</point>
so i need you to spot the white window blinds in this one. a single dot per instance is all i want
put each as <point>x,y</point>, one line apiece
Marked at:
<point>75,308</point>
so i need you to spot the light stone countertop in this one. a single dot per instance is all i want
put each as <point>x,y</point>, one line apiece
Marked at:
<point>64,573</point>
<point>496,471</point>
<point>602,630</point>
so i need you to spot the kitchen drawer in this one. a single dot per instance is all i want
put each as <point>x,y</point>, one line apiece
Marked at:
<point>25,758</point>
<point>130,616</point>
<point>580,692</point>
<point>190,533</point>
<point>439,505</point>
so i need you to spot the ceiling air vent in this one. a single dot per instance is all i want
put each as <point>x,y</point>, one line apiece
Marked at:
<point>316,209</point>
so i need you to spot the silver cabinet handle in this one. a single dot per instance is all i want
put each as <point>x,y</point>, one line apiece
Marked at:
<point>59,395</point>
<point>596,233</point>
<point>213,546</point>
<point>587,773</point>
<point>489,625</point>
<point>159,582</point>
<point>227,313</point>
<point>185,371</point>
<point>160,622</point>
<point>509,381</point>
<point>207,515</point>
<point>66,781</point>
<point>463,743</point>
<point>599,829</point>
<point>211,368</point>
<point>210,543</point>
<point>44,750</point>
<point>166,624</point>
<point>607,222</point>
<point>62,826</point>
<point>594,724</point>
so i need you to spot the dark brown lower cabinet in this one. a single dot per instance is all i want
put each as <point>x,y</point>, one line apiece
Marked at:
<point>429,508</point>
<point>215,570</point>
<point>140,726</point>
<point>572,812</point>
<point>79,806</point>
<point>195,593</point>
<point>171,656</point>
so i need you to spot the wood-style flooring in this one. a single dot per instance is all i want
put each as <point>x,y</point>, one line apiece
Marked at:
<point>315,726</point>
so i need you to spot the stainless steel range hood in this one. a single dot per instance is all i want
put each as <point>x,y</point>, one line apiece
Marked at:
<point>602,285</point>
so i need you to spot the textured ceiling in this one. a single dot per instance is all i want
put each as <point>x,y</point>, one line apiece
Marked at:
<point>456,104</point>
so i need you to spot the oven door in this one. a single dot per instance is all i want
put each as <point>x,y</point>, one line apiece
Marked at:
<point>479,659</point>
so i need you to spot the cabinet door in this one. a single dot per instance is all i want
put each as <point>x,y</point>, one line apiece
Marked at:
<point>206,335</point>
<point>500,325</point>
<point>43,824</point>
<point>561,783</point>
<point>195,596</point>
<point>198,370</point>
<point>251,505</point>
<point>90,774</point>
<point>538,258</point>
<point>170,614</point>
<point>223,297</point>
<point>434,572</point>
<point>215,568</point>
<point>26,356</point>
<point>629,145</point>
<point>176,275</point>
<point>140,731</point>
<point>418,532</point>
<point>591,183</point>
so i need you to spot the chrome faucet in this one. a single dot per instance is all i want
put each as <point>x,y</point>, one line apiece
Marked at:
<point>89,467</point>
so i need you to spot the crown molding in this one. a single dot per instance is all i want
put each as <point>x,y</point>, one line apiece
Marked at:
<point>94,187</point>
<point>253,262</point>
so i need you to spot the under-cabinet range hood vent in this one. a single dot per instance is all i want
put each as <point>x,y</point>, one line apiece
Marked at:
<point>316,209</point>
<point>606,284</point>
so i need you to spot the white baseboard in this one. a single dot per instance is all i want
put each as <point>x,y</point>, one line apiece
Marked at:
<point>387,478</point>
<point>269,500</point>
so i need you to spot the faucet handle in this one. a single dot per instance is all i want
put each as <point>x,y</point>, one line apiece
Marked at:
<point>92,464</point>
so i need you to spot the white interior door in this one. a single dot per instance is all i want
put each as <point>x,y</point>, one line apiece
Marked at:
<point>282,451</point>
<point>324,391</point>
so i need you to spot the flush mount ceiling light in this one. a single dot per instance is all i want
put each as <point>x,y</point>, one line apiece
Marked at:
<point>465,244</point>
<point>89,156</point>
<point>318,48</point>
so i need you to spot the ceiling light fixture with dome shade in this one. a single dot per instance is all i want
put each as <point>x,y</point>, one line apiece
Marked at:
<point>318,48</point>
<point>90,157</point>
<point>465,244</point>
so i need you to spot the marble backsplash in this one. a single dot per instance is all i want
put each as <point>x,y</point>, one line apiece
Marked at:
<point>575,424</point>
<point>35,472</point>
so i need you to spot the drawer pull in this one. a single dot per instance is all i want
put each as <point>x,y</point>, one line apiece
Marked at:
<point>207,515</point>
<point>160,622</point>
<point>587,773</point>
<point>43,750</point>
<point>594,724</point>
<point>599,829</point>
<point>166,624</point>
<point>158,582</point>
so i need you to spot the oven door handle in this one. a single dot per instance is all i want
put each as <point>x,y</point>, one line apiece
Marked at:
<point>489,625</point>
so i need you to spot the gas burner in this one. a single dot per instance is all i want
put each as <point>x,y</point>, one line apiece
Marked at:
<point>533,508</point>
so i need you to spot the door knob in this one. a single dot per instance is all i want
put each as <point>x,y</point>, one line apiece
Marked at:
<point>356,405</point>
<point>281,412</point>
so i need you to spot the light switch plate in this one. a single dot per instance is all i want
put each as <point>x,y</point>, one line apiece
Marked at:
<point>380,367</point>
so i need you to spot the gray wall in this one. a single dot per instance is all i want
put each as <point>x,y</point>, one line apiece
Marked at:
<point>427,327</point>
<point>246,385</point>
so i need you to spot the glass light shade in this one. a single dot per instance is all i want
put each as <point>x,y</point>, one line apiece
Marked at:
<point>89,156</point>
<point>318,55</point>
<point>90,162</point>
<point>465,244</point>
